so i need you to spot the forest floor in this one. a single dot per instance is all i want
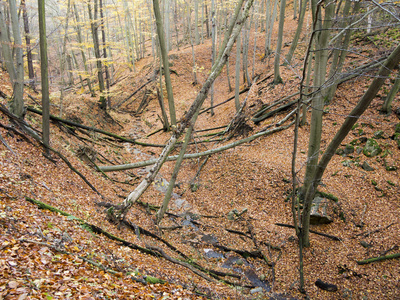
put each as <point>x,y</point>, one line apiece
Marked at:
<point>47,255</point>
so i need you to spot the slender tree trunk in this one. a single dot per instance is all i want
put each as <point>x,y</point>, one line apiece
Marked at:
<point>17,105</point>
<point>44,76</point>
<point>196,22</point>
<point>299,30</point>
<point>213,51</point>
<point>103,37</point>
<point>387,105</point>
<point>31,73</point>
<point>96,44</point>
<point>277,74</point>
<point>314,144</point>
<point>340,53</point>
<point>63,59</point>
<point>164,55</point>
<point>6,46</point>
<point>80,41</point>
<point>237,73</point>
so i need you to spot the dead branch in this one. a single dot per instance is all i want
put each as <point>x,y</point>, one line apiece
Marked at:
<point>368,233</point>
<point>195,155</point>
<point>131,95</point>
<point>124,139</point>
<point>226,101</point>
<point>380,258</point>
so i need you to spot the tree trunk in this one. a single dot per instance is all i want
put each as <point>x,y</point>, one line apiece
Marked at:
<point>277,75</point>
<point>94,28</point>
<point>44,76</point>
<point>387,105</point>
<point>314,144</point>
<point>237,74</point>
<point>213,50</point>
<point>6,46</point>
<point>164,55</point>
<point>196,22</point>
<point>391,62</point>
<point>103,37</point>
<point>80,41</point>
<point>299,30</point>
<point>31,73</point>
<point>17,105</point>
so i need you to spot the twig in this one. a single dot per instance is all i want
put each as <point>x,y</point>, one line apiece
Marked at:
<point>7,146</point>
<point>368,233</point>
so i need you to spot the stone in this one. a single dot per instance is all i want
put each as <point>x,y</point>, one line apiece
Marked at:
<point>372,148</point>
<point>319,209</point>
<point>367,167</point>
<point>256,290</point>
<point>348,149</point>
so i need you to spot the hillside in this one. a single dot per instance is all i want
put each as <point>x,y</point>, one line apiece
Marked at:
<point>224,211</point>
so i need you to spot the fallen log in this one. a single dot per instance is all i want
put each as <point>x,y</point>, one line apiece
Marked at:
<point>380,258</point>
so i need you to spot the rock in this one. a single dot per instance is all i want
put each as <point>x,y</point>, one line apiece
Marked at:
<point>367,167</point>
<point>256,290</point>
<point>372,148</point>
<point>359,150</point>
<point>365,244</point>
<point>319,214</point>
<point>348,149</point>
<point>326,286</point>
<point>378,134</point>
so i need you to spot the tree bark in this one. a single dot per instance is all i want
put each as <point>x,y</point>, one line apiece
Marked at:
<point>31,73</point>
<point>277,75</point>
<point>164,55</point>
<point>44,76</point>
<point>17,105</point>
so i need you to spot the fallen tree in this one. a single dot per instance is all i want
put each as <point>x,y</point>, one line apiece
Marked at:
<point>193,155</point>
